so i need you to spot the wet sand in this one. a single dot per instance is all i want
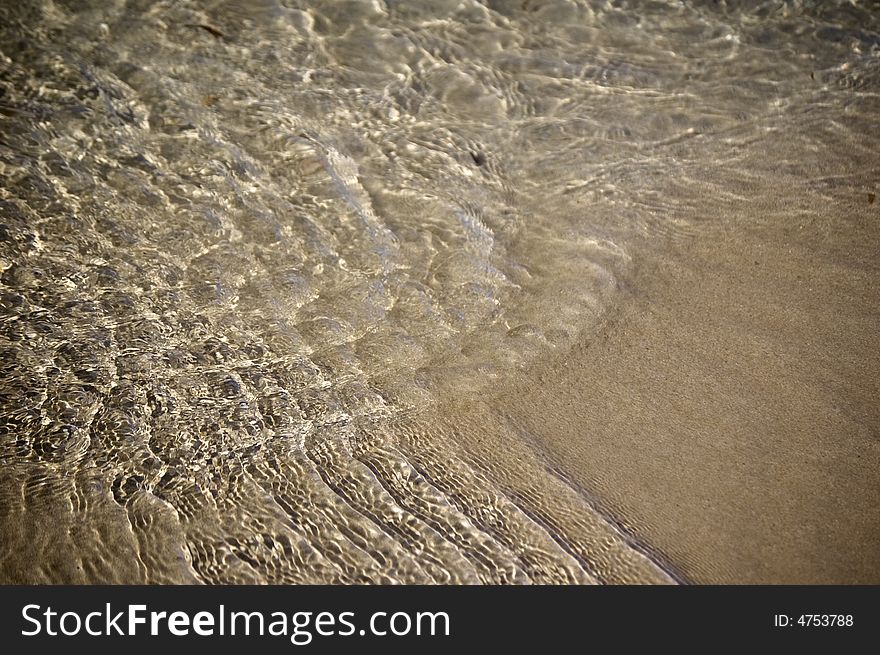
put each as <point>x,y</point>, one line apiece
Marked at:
<point>448,293</point>
<point>727,413</point>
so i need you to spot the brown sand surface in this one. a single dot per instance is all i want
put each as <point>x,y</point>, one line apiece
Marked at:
<point>481,293</point>
<point>728,414</point>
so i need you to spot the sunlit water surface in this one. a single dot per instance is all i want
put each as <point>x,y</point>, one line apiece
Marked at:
<point>242,241</point>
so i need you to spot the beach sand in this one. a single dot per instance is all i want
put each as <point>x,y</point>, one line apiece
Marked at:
<point>448,293</point>
<point>727,413</point>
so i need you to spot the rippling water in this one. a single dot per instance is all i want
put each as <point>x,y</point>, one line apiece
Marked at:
<point>244,245</point>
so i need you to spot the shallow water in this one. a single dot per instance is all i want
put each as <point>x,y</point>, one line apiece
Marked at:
<point>250,250</point>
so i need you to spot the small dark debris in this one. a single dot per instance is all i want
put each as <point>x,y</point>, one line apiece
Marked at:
<point>812,75</point>
<point>871,198</point>
<point>479,158</point>
<point>213,31</point>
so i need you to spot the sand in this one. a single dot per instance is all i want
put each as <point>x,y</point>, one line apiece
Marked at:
<point>485,293</point>
<point>727,413</point>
